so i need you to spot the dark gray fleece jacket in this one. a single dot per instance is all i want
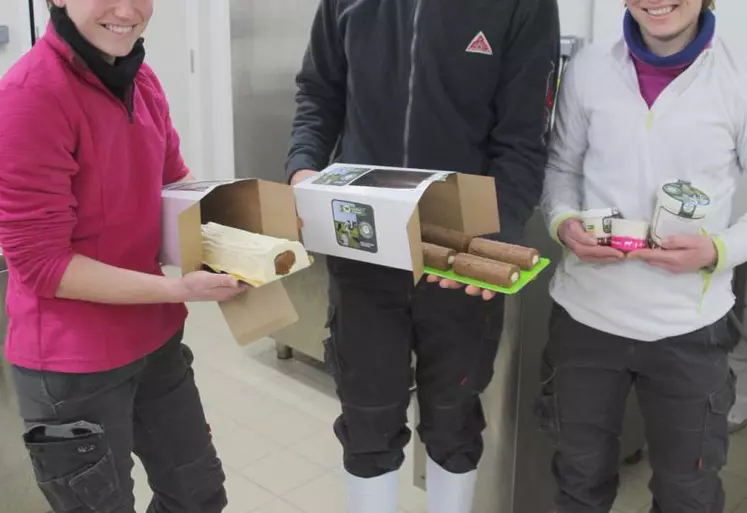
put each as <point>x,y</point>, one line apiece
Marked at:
<point>455,85</point>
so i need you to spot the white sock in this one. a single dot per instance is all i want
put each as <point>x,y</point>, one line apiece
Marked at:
<point>447,492</point>
<point>374,494</point>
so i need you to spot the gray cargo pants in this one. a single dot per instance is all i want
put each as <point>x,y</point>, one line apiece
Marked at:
<point>82,428</point>
<point>685,391</point>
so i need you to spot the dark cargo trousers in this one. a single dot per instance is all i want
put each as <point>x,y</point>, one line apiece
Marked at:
<point>685,390</point>
<point>82,428</point>
<point>377,320</point>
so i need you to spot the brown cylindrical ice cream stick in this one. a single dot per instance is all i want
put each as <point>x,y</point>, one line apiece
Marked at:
<point>438,257</point>
<point>524,257</point>
<point>484,269</point>
<point>445,237</point>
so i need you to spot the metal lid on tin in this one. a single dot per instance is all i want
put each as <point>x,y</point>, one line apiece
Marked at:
<point>684,199</point>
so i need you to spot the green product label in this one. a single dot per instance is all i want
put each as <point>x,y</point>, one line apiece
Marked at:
<point>354,225</point>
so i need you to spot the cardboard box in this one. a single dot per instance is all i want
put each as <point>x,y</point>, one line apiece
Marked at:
<point>373,213</point>
<point>254,205</point>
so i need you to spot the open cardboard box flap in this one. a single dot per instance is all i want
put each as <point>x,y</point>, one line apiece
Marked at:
<point>373,214</point>
<point>462,202</point>
<point>248,204</point>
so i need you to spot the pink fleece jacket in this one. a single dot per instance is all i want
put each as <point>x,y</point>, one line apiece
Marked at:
<point>77,175</point>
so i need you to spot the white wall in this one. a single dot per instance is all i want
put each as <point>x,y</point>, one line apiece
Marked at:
<point>15,15</point>
<point>188,45</point>
<point>731,16</point>
<point>213,27</point>
<point>575,17</point>
<point>168,47</point>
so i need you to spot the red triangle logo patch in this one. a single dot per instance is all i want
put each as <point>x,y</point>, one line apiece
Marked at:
<point>480,44</point>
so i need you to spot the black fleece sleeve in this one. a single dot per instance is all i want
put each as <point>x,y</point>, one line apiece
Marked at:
<point>320,98</point>
<point>525,96</point>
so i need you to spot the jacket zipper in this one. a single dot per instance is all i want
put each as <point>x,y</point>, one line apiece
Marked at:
<point>411,83</point>
<point>129,98</point>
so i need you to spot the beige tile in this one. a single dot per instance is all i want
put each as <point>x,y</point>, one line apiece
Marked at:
<point>143,493</point>
<point>737,463</point>
<point>245,405</point>
<point>290,389</point>
<point>215,386</point>
<point>242,446</point>
<point>641,471</point>
<point>325,408</point>
<point>322,448</point>
<point>220,424</point>
<point>633,494</point>
<point>281,472</point>
<point>277,506</point>
<point>243,495</point>
<point>735,487</point>
<point>285,425</point>
<point>326,494</point>
<point>742,508</point>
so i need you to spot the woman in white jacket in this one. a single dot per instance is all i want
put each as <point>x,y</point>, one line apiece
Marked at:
<point>665,103</point>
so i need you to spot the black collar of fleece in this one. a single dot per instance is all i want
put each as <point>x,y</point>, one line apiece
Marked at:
<point>117,77</point>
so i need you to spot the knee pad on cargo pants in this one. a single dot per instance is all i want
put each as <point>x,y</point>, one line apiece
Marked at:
<point>452,433</point>
<point>373,438</point>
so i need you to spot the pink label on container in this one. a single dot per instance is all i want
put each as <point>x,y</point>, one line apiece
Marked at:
<point>628,243</point>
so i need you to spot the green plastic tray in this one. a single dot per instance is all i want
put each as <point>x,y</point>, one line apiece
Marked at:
<point>524,278</point>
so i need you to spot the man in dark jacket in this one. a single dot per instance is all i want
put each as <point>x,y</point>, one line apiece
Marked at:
<point>435,84</point>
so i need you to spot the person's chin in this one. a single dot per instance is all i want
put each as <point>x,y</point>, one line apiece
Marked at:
<point>665,34</point>
<point>119,50</point>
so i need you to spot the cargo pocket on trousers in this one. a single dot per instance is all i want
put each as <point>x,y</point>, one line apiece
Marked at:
<point>546,404</point>
<point>74,466</point>
<point>716,429</point>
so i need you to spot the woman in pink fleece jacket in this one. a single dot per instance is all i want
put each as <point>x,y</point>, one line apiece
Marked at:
<point>95,328</point>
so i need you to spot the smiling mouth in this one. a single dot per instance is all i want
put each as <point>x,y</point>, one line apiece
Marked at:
<point>121,30</point>
<point>661,11</point>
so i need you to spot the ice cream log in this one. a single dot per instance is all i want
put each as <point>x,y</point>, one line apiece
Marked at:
<point>445,237</point>
<point>524,257</point>
<point>487,270</point>
<point>438,257</point>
